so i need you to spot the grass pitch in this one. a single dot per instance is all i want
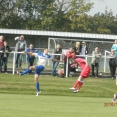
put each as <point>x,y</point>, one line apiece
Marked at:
<point>15,105</point>
<point>17,97</point>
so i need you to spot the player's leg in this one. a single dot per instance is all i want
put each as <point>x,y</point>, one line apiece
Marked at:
<point>26,71</point>
<point>84,74</point>
<point>78,82</point>
<point>38,70</point>
<point>37,84</point>
<point>115,97</point>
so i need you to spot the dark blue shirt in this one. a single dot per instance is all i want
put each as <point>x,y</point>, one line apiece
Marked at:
<point>29,50</point>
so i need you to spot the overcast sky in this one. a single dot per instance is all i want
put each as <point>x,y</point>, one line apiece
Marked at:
<point>99,6</point>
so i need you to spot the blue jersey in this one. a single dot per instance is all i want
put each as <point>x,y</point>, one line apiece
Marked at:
<point>28,50</point>
<point>42,58</point>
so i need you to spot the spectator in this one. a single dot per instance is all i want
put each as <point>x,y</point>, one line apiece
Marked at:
<point>95,61</point>
<point>6,49</point>
<point>30,58</point>
<point>58,50</point>
<point>1,45</point>
<point>112,64</point>
<point>1,41</point>
<point>73,69</point>
<point>69,54</point>
<point>21,45</point>
<point>84,50</point>
<point>114,47</point>
<point>77,48</point>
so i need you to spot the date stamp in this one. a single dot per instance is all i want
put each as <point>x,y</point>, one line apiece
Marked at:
<point>110,104</point>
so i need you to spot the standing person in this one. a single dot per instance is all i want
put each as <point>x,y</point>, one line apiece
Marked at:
<point>21,45</point>
<point>84,50</point>
<point>77,48</point>
<point>1,41</point>
<point>95,61</point>
<point>112,64</point>
<point>69,54</point>
<point>6,49</point>
<point>58,50</point>
<point>73,69</point>
<point>85,71</point>
<point>1,45</point>
<point>30,58</point>
<point>114,47</point>
<point>42,61</point>
<point>114,98</point>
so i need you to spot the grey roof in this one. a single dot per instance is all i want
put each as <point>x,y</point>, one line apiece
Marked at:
<point>57,34</point>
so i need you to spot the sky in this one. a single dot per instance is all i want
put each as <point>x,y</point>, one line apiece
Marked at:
<point>100,6</point>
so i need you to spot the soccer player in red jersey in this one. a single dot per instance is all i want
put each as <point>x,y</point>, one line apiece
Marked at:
<point>85,71</point>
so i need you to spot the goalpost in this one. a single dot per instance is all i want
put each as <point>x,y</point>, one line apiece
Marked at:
<point>65,44</point>
<point>103,46</point>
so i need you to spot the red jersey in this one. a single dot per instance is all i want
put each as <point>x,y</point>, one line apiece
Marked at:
<point>69,55</point>
<point>81,63</point>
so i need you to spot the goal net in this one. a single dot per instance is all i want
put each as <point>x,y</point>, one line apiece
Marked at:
<point>103,45</point>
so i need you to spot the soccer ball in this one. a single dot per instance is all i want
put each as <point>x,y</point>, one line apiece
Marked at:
<point>61,73</point>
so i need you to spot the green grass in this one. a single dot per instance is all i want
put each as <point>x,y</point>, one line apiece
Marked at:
<point>14,105</point>
<point>101,87</point>
<point>17,97</point>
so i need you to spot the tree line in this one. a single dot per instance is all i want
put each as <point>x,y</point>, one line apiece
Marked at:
<point>55,15</point>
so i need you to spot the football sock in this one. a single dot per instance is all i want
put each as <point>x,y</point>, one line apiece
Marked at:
<point>80,85</point>
<point>26,71</point>
<point>76,83</point>
<point>37,86</point>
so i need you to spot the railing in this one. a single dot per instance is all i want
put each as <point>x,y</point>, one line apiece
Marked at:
<point>105,56</point>
<point>87,56</point>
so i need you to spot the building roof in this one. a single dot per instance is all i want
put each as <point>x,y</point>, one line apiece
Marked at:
<point>58,34</point>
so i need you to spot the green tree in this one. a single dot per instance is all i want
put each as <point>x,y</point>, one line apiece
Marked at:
<point>8,14</point>
<point>103,23</point>
<point>78,17</point>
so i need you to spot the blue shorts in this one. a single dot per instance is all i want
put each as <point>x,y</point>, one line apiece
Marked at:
<point>116,95</point>
<point>38,69</point>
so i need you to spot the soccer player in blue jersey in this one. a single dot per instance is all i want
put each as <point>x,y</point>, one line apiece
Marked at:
<point>114,98</point>
<point>42,61</point>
